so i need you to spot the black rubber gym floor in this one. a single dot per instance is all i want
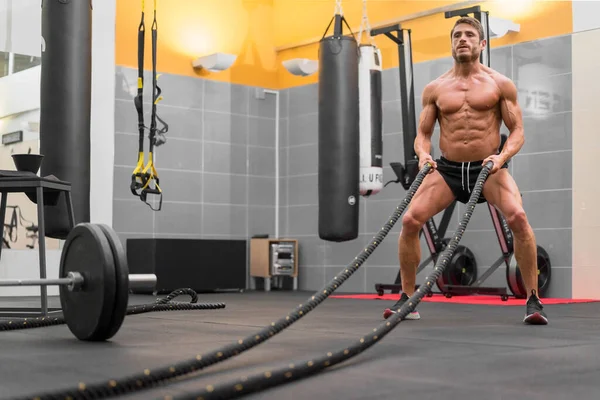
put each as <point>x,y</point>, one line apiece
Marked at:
<point>455,351</point>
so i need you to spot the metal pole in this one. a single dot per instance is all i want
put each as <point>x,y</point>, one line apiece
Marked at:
<point>35,282</point>
<point>142,281</point>
<point>483,18</point>
<point>135,281</point>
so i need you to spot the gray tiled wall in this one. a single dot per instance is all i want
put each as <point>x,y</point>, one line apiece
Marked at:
<point>216,169</point>
<point>542,72</point>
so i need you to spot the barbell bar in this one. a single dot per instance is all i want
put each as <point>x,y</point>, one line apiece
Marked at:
<point>93,281</point>
<point>75,281</point>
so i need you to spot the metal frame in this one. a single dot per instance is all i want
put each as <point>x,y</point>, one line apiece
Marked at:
<point>398,20</point>
<point>39,186</point>
<point>408,172</point>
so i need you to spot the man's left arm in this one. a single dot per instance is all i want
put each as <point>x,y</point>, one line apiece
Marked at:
<point>512,117</point>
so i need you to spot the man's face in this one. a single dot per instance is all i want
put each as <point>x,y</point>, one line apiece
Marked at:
<point>466,46</point>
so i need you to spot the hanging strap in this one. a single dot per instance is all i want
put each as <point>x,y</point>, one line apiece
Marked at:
<point>365,25</point>
<point>145,178</point>
<point>138,179</point>
<point>338,17</point>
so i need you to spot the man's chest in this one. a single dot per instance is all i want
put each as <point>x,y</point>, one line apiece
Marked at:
<point>454,97</point>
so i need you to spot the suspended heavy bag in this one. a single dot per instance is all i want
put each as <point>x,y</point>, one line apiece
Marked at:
<point>65,107</point>
<point>371,113</point>
<point>338,137</point>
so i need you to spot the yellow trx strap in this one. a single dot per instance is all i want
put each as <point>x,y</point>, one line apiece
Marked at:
<point>144,179</point>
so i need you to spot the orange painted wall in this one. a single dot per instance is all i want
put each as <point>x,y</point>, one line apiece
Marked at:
<point>430,35</point>
<point>188,29</point>
<point>253,29</point>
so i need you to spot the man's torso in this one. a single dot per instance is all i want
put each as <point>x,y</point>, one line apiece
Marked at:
<point>469,116</point>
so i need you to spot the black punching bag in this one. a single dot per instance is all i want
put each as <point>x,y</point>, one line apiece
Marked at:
<point>339,137</point>
<point>65,107</point>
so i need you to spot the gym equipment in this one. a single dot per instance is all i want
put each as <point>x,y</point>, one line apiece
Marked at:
<point>94,282</point>
<point>143,176</point>
<point>148,378</point>
<point>405,172</point>
<point>461,269</point>
<point>371,112</point>
<point>290,372</point>
<point>339,135</point>
<point>65,107</point>
<point>515,280</point>
<point>371,118</point>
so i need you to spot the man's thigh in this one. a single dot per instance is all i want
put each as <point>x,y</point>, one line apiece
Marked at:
<point>501,191</point>
<point>432,197</point>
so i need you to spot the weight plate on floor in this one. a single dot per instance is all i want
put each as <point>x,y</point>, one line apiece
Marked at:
<point>88,311</point>
<point>122,281</point>
<point>515,279</point>
<point>461,270</point>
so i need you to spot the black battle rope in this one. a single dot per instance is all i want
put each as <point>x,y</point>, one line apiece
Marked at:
<point>270,378</point>
<point>151,377</point>
<point>160,305</point>
<point>179,292</point>
<point>143,176</point>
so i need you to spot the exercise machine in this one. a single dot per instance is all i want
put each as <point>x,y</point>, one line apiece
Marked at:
<point>463,268</point>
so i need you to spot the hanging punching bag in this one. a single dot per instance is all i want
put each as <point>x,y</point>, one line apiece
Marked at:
<point>65,107</point>
<point>371,114</point>
<point>338,136</point>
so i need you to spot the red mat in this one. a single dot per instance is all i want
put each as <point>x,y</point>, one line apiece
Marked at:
<point>471,299</point>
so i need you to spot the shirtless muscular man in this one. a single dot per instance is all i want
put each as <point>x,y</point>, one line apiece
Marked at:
<point>469,101</point>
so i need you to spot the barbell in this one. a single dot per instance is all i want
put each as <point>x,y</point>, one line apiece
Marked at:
<point>94,282</point>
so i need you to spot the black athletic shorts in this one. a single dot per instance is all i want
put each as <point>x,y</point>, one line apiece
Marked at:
<point>461,177</point>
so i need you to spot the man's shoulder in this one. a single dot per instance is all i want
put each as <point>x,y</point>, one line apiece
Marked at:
<point>500,79</point>
<point>432,87</point>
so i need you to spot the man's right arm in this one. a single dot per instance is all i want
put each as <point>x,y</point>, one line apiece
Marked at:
<point>427,121</point>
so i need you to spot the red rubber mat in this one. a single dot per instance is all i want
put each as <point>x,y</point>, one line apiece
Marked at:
<point>471,299</point>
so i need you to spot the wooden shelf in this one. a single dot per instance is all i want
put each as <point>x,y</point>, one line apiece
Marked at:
<point>261,261</point>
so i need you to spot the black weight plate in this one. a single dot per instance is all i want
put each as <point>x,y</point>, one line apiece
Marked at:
<point>88,311</point>
<point>461,270</point>
<point>515,279</point>
<point>122,281</point>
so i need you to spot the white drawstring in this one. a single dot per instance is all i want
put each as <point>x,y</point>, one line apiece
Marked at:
<point>468,181</point>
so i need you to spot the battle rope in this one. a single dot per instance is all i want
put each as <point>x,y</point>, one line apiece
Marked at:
<point>151,377</point>
<point>143,176</point>
<point>160,305</point>
<point>291,372</point>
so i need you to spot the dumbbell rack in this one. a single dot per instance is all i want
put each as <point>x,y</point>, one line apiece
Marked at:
<point>33,185</point>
